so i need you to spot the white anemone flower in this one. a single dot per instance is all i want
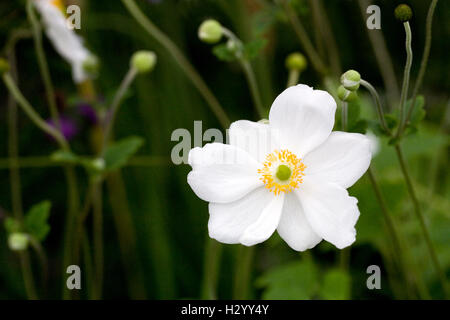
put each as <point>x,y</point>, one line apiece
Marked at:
<point>65,41</point>
<point>289,175</point>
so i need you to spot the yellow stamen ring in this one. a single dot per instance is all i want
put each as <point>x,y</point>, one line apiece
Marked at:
<point>282,171</point>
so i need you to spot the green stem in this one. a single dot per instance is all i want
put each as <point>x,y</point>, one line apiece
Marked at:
<point>243,272</point>
<point>42,62</point>
<point>32,114</point>
<point>378,105</point>
<point>344,116</point>
<point>394,235</point>
<point>420,217</point>
<point>293,77</point>
<point>112,111</point>
<point>211,269</point>
<point>302,35</point>
<point>97,205</point>
<point>185,65</point>
<point>424,62</point>
<point>406,76</point>
<point>28,275</point>
<point>250,75</point>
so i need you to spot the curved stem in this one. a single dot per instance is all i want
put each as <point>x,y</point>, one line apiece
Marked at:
<point>406,76</point>
<point>424,62</point>
<point>112,112</point>
<point>420,217</point>
<point>185,65</point>
<point>312,54</point>
<point>32,114</point>
<point>42,62</point>
<point>250,75</point>
<point>28,275</point>
<point>378,105</point>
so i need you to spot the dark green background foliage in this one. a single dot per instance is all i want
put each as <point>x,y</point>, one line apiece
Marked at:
<point>169,221</point>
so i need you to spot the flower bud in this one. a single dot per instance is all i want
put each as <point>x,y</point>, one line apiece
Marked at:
<point>143,61</point>
<point>264,121</point>
<point>232,45</point>
<point>4,66</point>
<point>91,65</point>
<point>296,61</point>
<point>403,12</point>
<point>210,31</point>
<point>18,241</point>
<point>346,95</point>
<point>350,80</point>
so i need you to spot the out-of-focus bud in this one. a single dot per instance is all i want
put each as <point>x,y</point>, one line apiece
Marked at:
<point>346,95</point>
<point>296,61</point>
<point>4,66</point>
<point>18,241</point>
<point>143,61</point>
<point>264,121</point>
<point>232,45</point>
<point>210,31</point>
<point>403,12</point>
<point>350,80</point>
<point>91,65</point>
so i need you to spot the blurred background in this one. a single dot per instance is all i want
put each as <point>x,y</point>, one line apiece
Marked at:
<point>154,227</point>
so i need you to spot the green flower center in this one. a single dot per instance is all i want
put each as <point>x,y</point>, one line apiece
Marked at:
<point>283,172</point>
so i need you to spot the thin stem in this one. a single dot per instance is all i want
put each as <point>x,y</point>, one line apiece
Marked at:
<point>42,62</point>
<point>420,217</point>
<point>32,114</point>
<point>424,61</point>
<point>294,76</point>
<point>112,111</point>
<point>28,275</point>
<point>394,235</point>
<point>211,269</point>
<point>185,65</point>
<point>406,76</point>
<point>98,239</point>
<point>378,105</point>
<point>344,116</point>
<point>43,260</point>
<point>250,75</point>
<point>243,272</point>
<point>302,35</point>
<point>382,56</point>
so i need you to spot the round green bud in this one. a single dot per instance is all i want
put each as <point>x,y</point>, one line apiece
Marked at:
<point>91,65</point>
<point>210,31</point>
<point>403,12</point>
<point>346,95</point>
<point>283,172</point>
<point>18,241</point>
<point>296,61</point>
<point>232,45</point>
<point>143,61</point>
<point>4,66</point>
<point>350,80</point>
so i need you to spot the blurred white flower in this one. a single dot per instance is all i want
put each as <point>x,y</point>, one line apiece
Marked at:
<point>374,143</point>
<point>66,42</point>
<point>294,180</point>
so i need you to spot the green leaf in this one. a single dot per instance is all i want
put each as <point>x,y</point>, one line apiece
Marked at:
<point>35,221</point>
<point>359,126</point>
<point>222,52</point>
<point>296,280</point>
<point>11,225</point>
<point>418,112</point>
<point>253,48</point>
<point>336,285</point>
<point>118,153</point>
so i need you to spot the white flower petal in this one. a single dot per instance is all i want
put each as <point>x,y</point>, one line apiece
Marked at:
<point>253,137</point>
<point>329,209</point>
<point>294,228</point>
<point>302,118</point>
<point>342,158</point>
<point>66,42</point>
<point>222,173</point>
<point>266,224</point>
<point>229,222</point>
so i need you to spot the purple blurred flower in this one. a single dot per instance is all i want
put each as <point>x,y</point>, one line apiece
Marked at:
<point>88,112</point>
<point>69,127</point>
